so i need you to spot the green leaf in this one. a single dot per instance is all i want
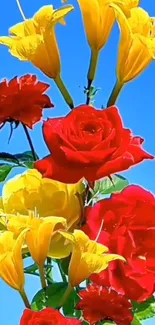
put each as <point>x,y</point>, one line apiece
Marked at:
<point>64,263</point>
<point>144,310</point>
<point>31,269</point>
<point>26,159</point>
<point>69,307</point>
<point>50,297</point>
<point>5,156</point>
<point>5,170</point>
<point>136,322</point>
<point>108,186</point>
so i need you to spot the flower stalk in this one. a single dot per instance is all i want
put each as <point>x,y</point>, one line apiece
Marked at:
<point>61,86</point>
<point>42,276</point>
<point>30,142</point>
<point>91,72</point>
<point>25,298</point>
<point>66,295</point>
<point>115,93</point>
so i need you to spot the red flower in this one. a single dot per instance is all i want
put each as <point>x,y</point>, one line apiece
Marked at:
<point>47,316</point>
<point>100,304</point>
<point>22,100</point>
<point>89,143</point>
<point>129,230</point>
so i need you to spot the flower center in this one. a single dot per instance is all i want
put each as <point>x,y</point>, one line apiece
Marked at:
<point>90,128</point>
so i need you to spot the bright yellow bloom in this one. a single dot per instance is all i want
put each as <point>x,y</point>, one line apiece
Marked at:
<point>88,257</point>
<point>137,44</point>
<point>29,192</point>
<point>40,232</point>
<point>99,19</point>
<point>34,40</point>
<point>11,263</point>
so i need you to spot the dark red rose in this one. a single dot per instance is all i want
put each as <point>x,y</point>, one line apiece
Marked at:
<point>129,230</point>
<point>22,100</point>
<point>98,304</point>
<point>89,143</point>
<point>47,316</point>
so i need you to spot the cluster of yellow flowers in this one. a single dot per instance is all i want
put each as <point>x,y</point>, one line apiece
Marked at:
<point>40,216</point>
<point>35,39</point>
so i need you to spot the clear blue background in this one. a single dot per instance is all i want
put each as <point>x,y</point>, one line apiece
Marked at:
<point>136,104</point>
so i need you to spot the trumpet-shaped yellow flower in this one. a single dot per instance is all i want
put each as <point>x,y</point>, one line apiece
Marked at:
<point>88,257</point>
<point>137,44</point>
<point>29,192</point>
<point>34,40</point>
<point>11,263</point>
<point>40,232</point>
<point>99,19</point>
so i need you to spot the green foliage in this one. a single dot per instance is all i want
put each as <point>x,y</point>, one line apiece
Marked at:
<point>10,161</point>
<point>107,186</point>
<point>5,170</point>
<point>144,310</point>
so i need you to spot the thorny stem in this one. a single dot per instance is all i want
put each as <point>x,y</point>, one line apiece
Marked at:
<point>29,141</point>
<point>20,9</point>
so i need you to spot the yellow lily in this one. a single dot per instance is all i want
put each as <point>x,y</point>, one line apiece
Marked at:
<point>11,263</point>
<point>137,47</point>
<point>38,237</point>
<point>34,40</point>
<point>88,257</point>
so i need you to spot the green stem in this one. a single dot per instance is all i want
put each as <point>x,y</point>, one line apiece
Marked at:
<point>60,84</point>
<point>62,273</point>
<point>30,142</point>
<point>42,276</point>
<point>91,72</point>
<point>66,295</point>
<point>49,274</point>
<point>115,93</point>
<point>25,299</point>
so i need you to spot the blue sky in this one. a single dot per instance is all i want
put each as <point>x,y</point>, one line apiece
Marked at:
<point>136,105</point>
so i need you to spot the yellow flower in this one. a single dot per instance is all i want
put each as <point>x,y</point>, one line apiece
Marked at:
<point>34,40</point>
<point>40,232</point>
<point>11,263</point>
<point>137,44</point>
<point>88,257</point>
<point>99,19</point>
<point>29,192</point>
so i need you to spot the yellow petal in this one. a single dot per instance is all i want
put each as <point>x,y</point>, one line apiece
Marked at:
<point>11,263</point>
<point>38,240</point>
<point>48,16</point>
<point>34,48</point>
<point>138,59</point>
<point>125,42</point>
<point>89,264</point>
<point>8,41</point>
<point>23,29</point>
<point>59,247</point>
<point>140,22</point>
<point>91,18</point>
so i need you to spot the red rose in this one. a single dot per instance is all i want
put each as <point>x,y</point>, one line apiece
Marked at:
<point>47,316</point>
<point>89,143</point>
<point>129,230</point>
<point>22,100</point>
<point>100,304</point>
